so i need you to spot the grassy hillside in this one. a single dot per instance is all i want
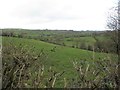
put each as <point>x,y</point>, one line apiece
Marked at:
<point>66,53</point>
<point>60,58</point>
<point>87,40</point>
<point>76,39</point>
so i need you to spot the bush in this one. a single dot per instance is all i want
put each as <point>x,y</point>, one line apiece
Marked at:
<point>90,47</point>
<point>23,69</point>
<point>83,45</point>
<point>102,73</point>
<point>8,34</point>
<point>17,62</point>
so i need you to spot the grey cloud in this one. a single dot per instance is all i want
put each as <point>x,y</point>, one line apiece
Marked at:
<point>56,13</point>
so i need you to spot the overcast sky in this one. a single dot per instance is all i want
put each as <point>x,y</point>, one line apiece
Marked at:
<point>55,14</point>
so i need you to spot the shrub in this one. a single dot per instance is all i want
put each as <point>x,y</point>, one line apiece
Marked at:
<point>83,45</point>
<point>99,74</point>
<point>8,34</point>
<point>23,69</point>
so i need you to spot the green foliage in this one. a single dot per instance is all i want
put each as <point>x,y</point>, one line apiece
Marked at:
<point>35,62</point>
<point>25,69</point>
<point>105,41</point>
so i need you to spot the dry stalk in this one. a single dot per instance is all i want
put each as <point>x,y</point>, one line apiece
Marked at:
<point>86,69</point>
<point>65,83</point>
<point>21,74</point>
<point>53,81</point>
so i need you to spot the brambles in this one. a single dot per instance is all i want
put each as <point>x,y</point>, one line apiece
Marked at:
<point>99,74</point>
<point>16,64</point>
<point>23,69</point>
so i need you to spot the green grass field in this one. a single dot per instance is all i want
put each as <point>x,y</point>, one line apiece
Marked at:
<point>87,40</point>
<point>61,58</point>
<point>69,38</point>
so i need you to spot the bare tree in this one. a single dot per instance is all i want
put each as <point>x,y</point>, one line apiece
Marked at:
<point>114,18</point>
<point>113,23</point>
